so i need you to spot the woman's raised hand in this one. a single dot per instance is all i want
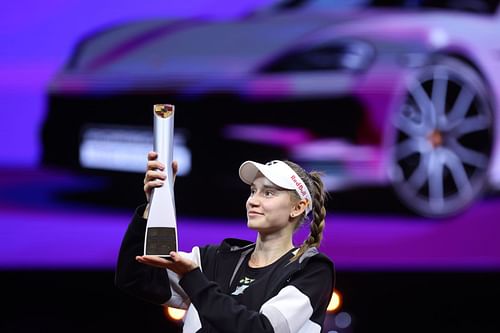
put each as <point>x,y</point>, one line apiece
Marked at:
<point>155,174</point>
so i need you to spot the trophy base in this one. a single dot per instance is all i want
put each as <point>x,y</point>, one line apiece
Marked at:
<point>160,241</point>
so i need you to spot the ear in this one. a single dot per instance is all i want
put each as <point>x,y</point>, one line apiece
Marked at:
<point>298,208</point>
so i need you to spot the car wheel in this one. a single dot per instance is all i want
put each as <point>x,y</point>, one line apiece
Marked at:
<point>443,137</point>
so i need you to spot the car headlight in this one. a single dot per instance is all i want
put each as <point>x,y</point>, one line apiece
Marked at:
<point>352,55</point>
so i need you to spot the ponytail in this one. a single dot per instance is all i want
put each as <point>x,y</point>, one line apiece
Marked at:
<point>319,196</point>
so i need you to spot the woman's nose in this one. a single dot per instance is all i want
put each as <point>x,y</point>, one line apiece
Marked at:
<point>252,201</point>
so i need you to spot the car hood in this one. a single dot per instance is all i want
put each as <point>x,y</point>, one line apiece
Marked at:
<point>185,54</point>
<point>197,47</point>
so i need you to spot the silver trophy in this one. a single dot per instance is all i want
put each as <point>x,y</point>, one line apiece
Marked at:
<point>161,229</point>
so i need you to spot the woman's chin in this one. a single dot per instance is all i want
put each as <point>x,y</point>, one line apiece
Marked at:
<point>254,224</point>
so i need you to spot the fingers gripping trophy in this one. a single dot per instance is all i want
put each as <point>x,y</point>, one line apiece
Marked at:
<point>161,229</point>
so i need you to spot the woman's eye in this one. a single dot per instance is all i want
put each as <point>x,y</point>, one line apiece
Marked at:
<point>252,191</point>
<point>269,193</point>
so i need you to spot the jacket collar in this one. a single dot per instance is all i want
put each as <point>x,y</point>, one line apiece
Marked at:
<point>235,245</point>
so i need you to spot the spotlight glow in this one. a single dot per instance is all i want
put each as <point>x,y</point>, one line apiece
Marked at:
<point>174,313</point>
<point>335,302</point>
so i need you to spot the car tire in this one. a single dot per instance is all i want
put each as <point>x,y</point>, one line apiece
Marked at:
<point>442,140</point>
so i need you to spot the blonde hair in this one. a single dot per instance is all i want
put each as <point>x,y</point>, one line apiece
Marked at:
<point>319,196</point>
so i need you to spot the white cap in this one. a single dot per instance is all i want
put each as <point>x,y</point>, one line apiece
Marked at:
<point>280,174</point>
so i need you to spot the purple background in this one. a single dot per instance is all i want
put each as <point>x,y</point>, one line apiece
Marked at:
<point>37,37</point>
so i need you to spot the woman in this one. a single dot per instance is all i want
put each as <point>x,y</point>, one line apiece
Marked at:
<point>239,286</point>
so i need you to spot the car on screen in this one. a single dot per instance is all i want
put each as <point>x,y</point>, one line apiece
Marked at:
<point>370,92</point>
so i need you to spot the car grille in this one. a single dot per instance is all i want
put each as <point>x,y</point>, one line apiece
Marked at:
<point>215,157</point>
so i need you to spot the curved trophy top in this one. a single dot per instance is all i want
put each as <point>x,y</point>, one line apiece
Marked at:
<point>164,110</point>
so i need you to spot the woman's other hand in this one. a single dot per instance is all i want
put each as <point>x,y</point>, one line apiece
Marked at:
<point>176,263</point>
<point>155,177</point>
<point>155,174</point>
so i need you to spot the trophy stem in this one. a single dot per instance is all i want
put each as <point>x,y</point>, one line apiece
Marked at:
<point>161,229</point>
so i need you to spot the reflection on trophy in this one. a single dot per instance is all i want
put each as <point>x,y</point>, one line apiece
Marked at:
<point>161,229</point>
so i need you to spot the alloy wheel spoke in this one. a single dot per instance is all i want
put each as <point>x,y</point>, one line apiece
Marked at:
<point>409,147</point>
<point>406,125</point>
<point>468,156</point>
<point>435,173</point>
<point>424,104</point>
<point>419,176</point>
<point>461,106</point>
<point>439,91</point>
<point>470,125</point>
<point>459,175</point>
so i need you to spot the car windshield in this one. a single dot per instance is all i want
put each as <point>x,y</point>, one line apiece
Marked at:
<point>476,6</point>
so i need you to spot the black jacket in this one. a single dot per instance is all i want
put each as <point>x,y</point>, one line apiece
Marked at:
<point>294,301</point>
